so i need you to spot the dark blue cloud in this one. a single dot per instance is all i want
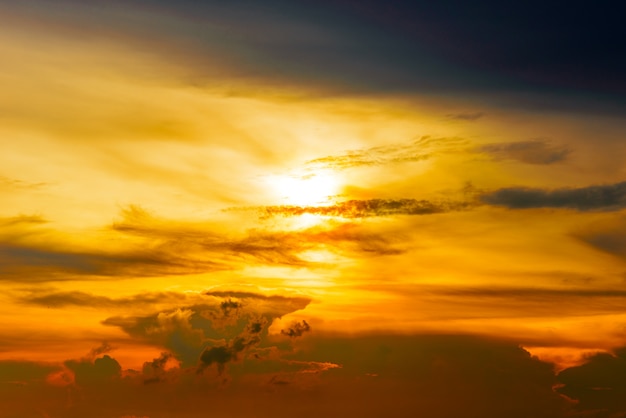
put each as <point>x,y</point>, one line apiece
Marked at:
<point>523,54</point>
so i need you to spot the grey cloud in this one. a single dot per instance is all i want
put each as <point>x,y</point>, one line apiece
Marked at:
<point>534,292</point>
<point>22,262</point>
<point>538,151</point>
<point>607,197</point>
<point>465,116</point>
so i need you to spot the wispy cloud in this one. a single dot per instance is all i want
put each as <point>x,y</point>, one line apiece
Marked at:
<point>20,184</point>
<point>536,151</point>
<point>418,149</point>
<point>465,116</point>
<point>76,298</point>
<point>368,208</point>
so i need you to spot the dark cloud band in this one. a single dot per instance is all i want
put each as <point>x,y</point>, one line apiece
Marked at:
<point>603,197</point>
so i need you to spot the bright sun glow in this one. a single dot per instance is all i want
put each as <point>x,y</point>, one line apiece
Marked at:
<point>311,190</point>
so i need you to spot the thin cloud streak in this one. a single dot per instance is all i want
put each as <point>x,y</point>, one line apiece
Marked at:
<point>419,149</point>
<point>537,151</point>
<point>368,208</point>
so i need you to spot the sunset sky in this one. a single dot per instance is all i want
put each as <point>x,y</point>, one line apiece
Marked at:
<point>305,208</point>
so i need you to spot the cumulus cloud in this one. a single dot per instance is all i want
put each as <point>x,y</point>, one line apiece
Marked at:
<point>536,151</point>
<point>87,372</point>
<point>186,331</point>
<point>607,197</point>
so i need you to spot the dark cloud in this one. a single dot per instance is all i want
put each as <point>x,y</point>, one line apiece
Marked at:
<point>607,197</point>
<point>465,116</point>
<point>368,208</point>
<point>598,385</point>
<point>155,371</point>
<point>513,42</point>
<point>228,306</point>
<point>418,149</point>
<point>223,354</point>
<point>533,292</point>
<point>13,372</point>
<point>537,151</point>
<point>396,376</point>
<point>439,375</point>
<point>296,329</point>
<point>608,236</point>
<point>23,262</point>
<point>96,372</point>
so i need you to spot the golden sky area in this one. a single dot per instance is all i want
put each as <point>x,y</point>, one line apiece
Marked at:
<point>234,211</point>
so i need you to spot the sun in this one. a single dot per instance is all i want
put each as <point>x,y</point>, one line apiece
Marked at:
<point>308,190</point>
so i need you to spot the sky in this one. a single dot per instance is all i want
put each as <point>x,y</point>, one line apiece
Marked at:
<point>312,208</point>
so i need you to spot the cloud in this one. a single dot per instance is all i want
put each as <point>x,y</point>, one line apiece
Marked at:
<point>96,372</point>
<point>22,221</point>
<point>157,370</point>
<point>368,208</point>
<point>226,353</point>
<point>598,385</point>
<point>609,197</point>
<point>296,329</point>
<point>103,348</point>
<point>77,298</point>
<point>6,182</point>
<point>159,247</point>
<point>465,116</point>
<point>608,235</point>
<point>537,151</point>
<point>441,376</point>
<point>229,322</point>
<point>419,149</point>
